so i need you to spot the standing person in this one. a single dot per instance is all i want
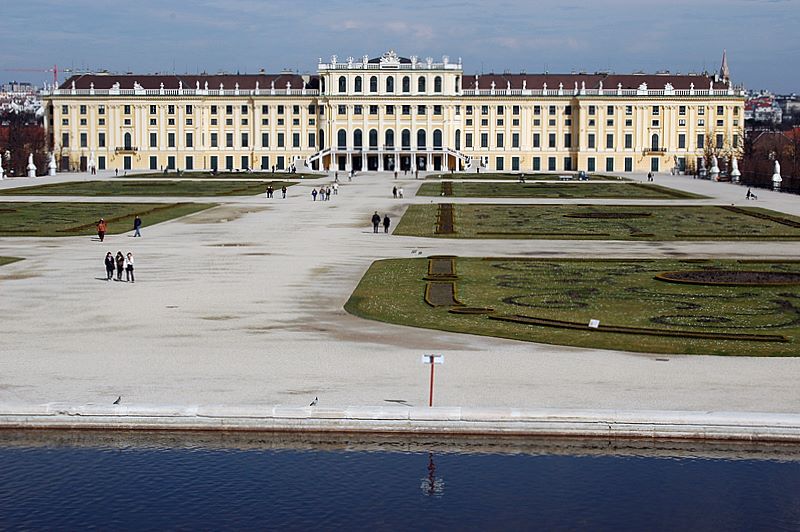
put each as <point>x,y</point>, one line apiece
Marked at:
<point>328,194</point>
<point>386,223</point>
<point>120,259</point>
<point>416,173</point>
<point>395,174</point>
<point>116,172</point>
<point>129,267</point>
<point>314,194</point>
<point>137,225</point>
<point>350,177</point>
<point>649,176</point>
<point>283,191</point>
<point>400,192</point>
<point>336,176</point>
<point>335,188</point>
<point>109,261</point>
<point>394,192</point>
<point>101,229</point>
<point>376,221</point>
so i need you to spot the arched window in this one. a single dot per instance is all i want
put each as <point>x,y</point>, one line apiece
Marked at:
<point>341,138</point>
<point>373,138</point>
<point>389,138</point>
<point>126,140</point>
<point>321,139</point>
<point>373,84</point>
<point>390,84</point>
<point>358,140</point>
<point>405,138</point>
<point>322,85</point>
<point>458,83</point>
<point>437,138</point>
<point>357,84</point>
<point>406,84</point>
<point>421,138</point>
<point>342,84</point>
<point>458,139</point>
<point>421,84</point>
<point>654,141</point>
<point>437,84</point>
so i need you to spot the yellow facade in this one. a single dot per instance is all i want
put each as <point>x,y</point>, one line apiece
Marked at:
<point>392,113</point>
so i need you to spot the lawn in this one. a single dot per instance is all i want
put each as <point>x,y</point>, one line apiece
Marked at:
<point>597,222</point>
<point>553,300</point>
<point>223,174</point>
<point>8,260</point>
<point>556,190</point>
<point>75,219</point>
<point>147,188</point>
<point>530,176</point>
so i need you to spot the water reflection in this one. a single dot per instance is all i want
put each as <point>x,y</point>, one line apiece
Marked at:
<point>432,486</point>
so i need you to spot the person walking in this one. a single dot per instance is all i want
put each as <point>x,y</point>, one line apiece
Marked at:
<point>314,194</point>
<point>394,192</point>
<point>649,176</point>
<point>137,225</point>
<point>416,173</point>
<point>400,192</point>
<point>120,260</point>
<point>283,191</point>
<point>129,267</point>
<point>395,174</point>
<point>376,221</point>
<point>109,261</point>
<point>335,188</point>
<point>749,194</point>
<point>101,229</point>
<point>328,194</point>
<point>386,223</point>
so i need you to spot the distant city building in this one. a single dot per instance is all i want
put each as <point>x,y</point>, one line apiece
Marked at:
<point>395,113</point>
<point>763,107</point>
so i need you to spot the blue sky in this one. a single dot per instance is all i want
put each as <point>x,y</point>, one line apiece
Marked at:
<point>761,36</point>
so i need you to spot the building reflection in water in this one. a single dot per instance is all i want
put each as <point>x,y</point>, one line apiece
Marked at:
<point>432,486</point>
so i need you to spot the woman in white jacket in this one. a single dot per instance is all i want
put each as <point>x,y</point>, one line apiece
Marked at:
<point>129,267</point>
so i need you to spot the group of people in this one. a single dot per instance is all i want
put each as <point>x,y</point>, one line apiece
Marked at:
<point>271,191</point>
<point>119,263</point>
<point>324,192</point>
<point>397,192</point>
<point>102,227</point>
<point>750,195</point>
<point>376,222</point>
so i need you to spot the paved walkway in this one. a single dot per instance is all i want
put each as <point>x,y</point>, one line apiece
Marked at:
<point>242,305</point>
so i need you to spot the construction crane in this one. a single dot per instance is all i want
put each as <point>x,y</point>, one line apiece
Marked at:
<point>54,70</point>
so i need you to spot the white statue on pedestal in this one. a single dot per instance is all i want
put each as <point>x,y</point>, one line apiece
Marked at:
<point>714,168</point>
<point>735,173</point>
<point>776,177</point>
<point>31,166</point>
<point>51,166</point>
<point>2,172</point>
<point>91,165</point>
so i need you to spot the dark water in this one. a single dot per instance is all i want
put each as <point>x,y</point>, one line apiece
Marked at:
<point>156,486</point>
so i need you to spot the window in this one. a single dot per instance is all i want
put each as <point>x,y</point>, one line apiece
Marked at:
<point>171,140</point>
<point>515,140</point>
<point>84,139</point>
<point>628,110</point>
<point>101,162</point>
<point>421,109</point>
<point>421,137</point>
<point>265,162</point>
<point>228,109</point>
<point>265,140</point>
<point>609,141</point>
<point>358,110</point>
<point>189,163</point>
<point>437,110</point>
<point>628,122</point>
<point>390,84</point>
<point>610,122</point>
<point>701,141</point>
<point>295,140</point>
<point>101,140</point>
<point>500,109</point>
<point>720,123</point>
<point>681,110</point>
<point>656,110</point>
<point>437,139</point>
<point>551,140</point>
<point>468,140</point>
<point>153,162</point>
<point>229,162</point>
<point>342,84</point>
<point>229,140</point>
<point>64,121</point>
<point>682,141</point>
<point>720,110</point>
<point>515,109</point>
<point>567,163</point>
<point>101,110</point>
<point>295,109</point>
<point>373,84</point>
<point>590,167</point>
<point>281,109</point>
<point>245,165</point>
<point>388,139</point>
<point>188,109</point>
<point>591,122</point>
<point>358,139</point>
<point>537,164</point>
<point>537,109</point>
<point>655,122</point>
<point>736,140</point>
<point>484,121</point>
<point>170,109</point>
<point>628,141</point>
<point>701,111</point>
<point>312,109</point>
<point>515,164</point>
<point>499,163</point>
<point>390,109</point>
<point>484,109</point>
<point>281,162</point>
<point>406,84</point>
<point>567,140</point>
<point>126,109</point>
<point>610,110</point>
<point>171,162</point>
<point>153,140</point>
<point>701,122</point>
<point>65,109</point>
<point>406,109</point>
<point>281,140</point>
<point>245,140</point>
<point>357,84</point>
<point>484,140</point>
<point>499,140</point>
<point>421,84</point>
<point>188,121</point>
<point>654,142</point>
<point>551,164</point>
<point>214,142</point>
<point>437,84</point>
<point>568,110</point>
<point>214,162</point>
<point>591,141</point>
<point>536,140</point>
<point>681,122</point>
<point>213,109</point>
<point>629,164</point>
<point>373,109</point>
<point>342,109</point>
<point>341,138</point>
<point>552,110</point>
<point>592,110</point>
<point>720,141</point>
<point>609,164</point>
<point>515,121</point>
<point>189,140</point>
<point>83,121</point>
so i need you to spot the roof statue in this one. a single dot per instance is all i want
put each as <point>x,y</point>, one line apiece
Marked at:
<point>390,58</point>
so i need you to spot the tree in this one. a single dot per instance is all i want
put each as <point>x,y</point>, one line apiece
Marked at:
<point>24,135</point>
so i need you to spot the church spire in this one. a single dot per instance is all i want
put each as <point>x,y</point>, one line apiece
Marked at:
<point>724,73</point>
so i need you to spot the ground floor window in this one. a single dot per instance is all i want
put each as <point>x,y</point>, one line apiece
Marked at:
<point>590,164</point>
<point>499,163</point>
<point>551,164</point>
<point>281,162</point>
<point>629,164</point>
<point>171,162</point>
<point>214,163</point>
<point>515,164</point>
<point>153,162</point>
<point>245,162</point>
<point>229,162</point>
<point>189,163</point>
<point>568,163</point>
<point>265,162</point>
<point>127,162</point>
<point>537,164</point>
<point>101,162</point>
<point>609,164</point>
<point>654,164</point>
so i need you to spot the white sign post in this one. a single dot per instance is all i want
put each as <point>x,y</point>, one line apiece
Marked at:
<point>432,360</point>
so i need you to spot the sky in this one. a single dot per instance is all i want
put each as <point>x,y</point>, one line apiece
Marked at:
<point>147,36</point>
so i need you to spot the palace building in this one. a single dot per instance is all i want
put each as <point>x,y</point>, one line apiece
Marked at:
<point>392,112</point>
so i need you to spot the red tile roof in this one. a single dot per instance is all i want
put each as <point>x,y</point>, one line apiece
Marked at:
<point>172,81</point>
<point>591,81</point>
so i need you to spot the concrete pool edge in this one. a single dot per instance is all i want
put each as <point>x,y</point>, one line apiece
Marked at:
<point>562,423</point>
